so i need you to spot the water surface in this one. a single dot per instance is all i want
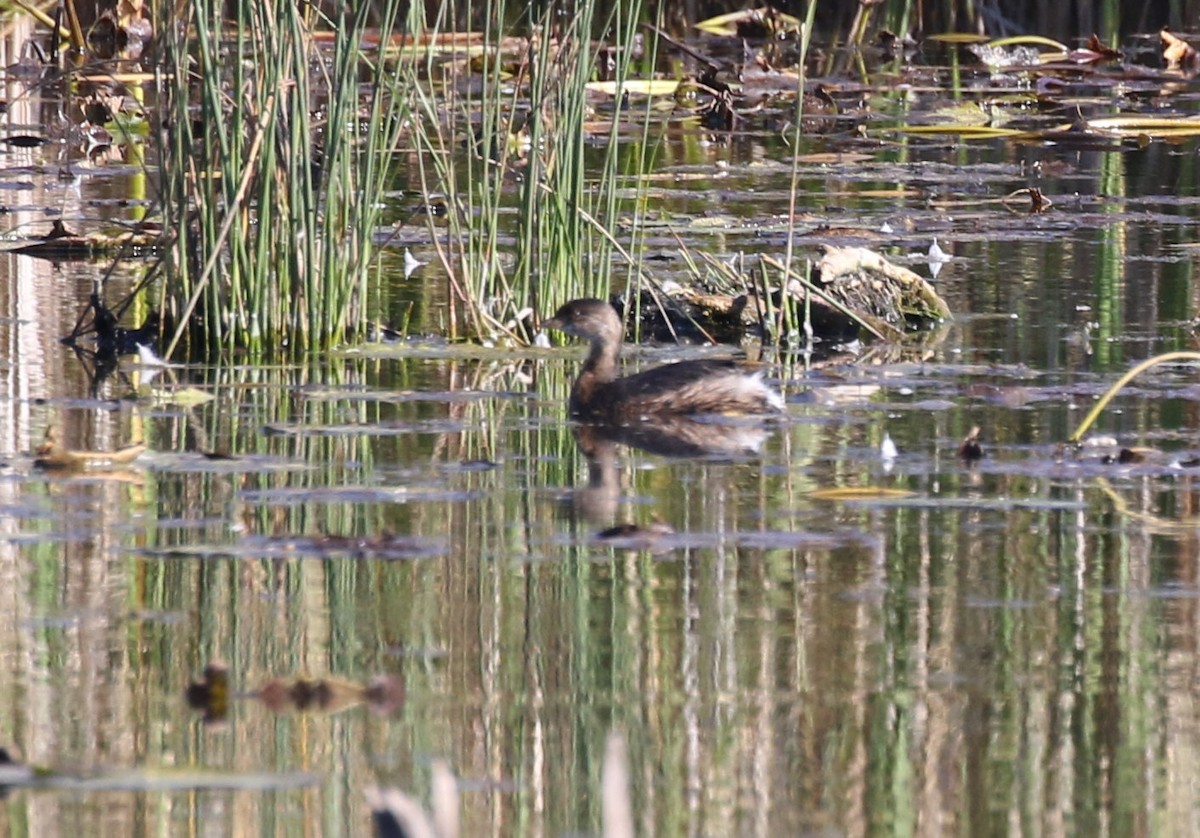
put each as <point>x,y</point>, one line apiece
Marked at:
<point>990,649</point>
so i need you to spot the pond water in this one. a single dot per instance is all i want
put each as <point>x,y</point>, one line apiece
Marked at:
<point>1006,647</point>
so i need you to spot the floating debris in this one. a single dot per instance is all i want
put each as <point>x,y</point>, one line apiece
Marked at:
<point>863,287</point>
<point>386,545</point>
<point>970,451</point>
<point>52,455</point>
<point>60,244</point>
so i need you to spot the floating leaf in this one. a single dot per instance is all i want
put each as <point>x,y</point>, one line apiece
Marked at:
<point>1151,126</point>
<point>860,493</point>
<point>119,79</point>
<point>453,43</point>
<point>834,158</point>
<point>958,38</point>
<point>636,87</point>
<point>735,23</point>
<point>966,132</point>
<point>962,113</point>
<point>1029,40</point>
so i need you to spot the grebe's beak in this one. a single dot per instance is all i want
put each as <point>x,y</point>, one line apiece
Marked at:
<point>560,324</point>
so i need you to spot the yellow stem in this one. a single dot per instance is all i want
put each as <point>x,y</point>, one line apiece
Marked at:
<point>1120,385</point>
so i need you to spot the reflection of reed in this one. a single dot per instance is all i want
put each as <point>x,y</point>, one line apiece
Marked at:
<point>398,815</point>
<point>954,668</point>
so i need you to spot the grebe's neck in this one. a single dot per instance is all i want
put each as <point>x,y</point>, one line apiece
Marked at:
<point>601,363</point>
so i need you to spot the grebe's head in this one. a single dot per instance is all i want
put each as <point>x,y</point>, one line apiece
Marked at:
<point>593,320</point>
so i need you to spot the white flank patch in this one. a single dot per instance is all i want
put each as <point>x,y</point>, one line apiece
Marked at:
<point>753,386</point>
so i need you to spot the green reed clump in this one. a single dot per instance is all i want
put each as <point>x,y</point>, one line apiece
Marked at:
<point>532,216</point>
<point>281,129</point>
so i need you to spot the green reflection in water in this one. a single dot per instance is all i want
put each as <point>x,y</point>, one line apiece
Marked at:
<point>998,649</point>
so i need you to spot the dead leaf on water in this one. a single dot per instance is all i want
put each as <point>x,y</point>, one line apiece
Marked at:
<point>1095,52</point>
<point>51,454</point>
<point>750,23</point>
<point>1178,53</point>
<point>1038,203</point>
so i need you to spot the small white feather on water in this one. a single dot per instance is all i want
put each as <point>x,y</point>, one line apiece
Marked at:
<point>937,257</point>
<point>411,263</point>
<point>888,452</point>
